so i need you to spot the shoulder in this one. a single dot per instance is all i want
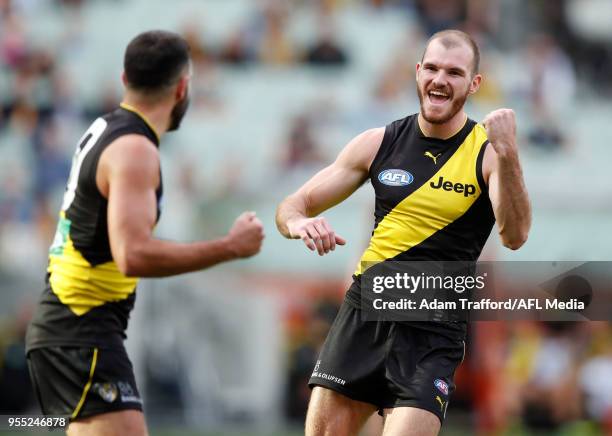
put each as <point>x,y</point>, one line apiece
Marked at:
<point>479,140</point>
<point>132,149</point>
<point>362,149</point>
<point>130,156</point>
<point>478,130</point>
<point>403,124</point>
<point>372,136</point>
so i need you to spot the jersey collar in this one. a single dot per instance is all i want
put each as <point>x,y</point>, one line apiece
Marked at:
<point>131,108</point>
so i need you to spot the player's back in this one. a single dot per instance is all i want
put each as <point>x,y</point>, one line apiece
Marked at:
<point>87,300</point>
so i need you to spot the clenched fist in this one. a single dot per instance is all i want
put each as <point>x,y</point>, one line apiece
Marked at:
<point>246,235</point>
<point>316,233</point>
<point>501,131</point>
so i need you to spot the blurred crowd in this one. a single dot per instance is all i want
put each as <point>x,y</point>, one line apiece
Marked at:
<point>41,114</point>
<point>540,376</point>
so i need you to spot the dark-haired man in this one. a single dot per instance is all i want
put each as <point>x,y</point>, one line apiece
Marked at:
<point>406,370</point>
<point>104,241</point>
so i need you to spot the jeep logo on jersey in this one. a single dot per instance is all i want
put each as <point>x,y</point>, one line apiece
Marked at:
<point>460,188</point>
<point>395,177</point>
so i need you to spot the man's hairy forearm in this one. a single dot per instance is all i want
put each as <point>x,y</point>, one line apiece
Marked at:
<point>514,219</point>
<point>158,258</point>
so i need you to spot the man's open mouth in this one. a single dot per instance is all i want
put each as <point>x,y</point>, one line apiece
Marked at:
<point>438,97</point>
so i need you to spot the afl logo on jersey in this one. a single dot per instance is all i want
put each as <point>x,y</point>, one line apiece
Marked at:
<point>395,177</point>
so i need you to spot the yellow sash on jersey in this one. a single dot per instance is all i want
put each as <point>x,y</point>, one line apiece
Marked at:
<point>427,210</point>
<point>77,283</point>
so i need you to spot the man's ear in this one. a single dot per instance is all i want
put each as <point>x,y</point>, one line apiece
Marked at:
<point>182,87</point>
<point>418,68</point>
<point>475,85</point>
<point>124,79</point>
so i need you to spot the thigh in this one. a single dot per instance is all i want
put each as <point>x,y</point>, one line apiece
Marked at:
<point>410,421</point>
<point>333,414</point>
<point>125,422</point>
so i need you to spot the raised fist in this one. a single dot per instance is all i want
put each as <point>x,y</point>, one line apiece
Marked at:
<point>501,130</point>
<point>246,235</point>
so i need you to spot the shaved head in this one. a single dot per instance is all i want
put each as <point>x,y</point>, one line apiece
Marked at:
<point>455,38</point>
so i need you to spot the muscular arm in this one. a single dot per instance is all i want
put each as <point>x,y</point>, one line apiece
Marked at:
<point>325,189</point>
<point>503,173</point>
<point>128,175</point>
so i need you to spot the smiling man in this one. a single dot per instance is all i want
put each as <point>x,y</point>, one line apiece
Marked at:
<point>441,181</point>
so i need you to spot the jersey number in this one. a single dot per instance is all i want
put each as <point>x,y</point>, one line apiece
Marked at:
<point>86,143</point>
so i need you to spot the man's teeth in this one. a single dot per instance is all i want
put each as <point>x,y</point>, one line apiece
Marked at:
<point>438,93</point>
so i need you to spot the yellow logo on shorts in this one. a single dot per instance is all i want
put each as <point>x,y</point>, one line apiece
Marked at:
<point>441,402</point>
<point>108,391</point>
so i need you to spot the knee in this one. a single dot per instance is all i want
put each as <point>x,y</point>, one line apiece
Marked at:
<point>332,423</point>
<point>132,423</point>
<point>320,422</point>
<point>332,414</point>
<point>135,426</point>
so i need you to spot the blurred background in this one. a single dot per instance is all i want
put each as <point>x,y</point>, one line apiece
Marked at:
<point>279,88</point>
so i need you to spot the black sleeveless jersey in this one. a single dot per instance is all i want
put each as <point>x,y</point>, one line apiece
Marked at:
<point>88,300</point>
<point>432,202</point>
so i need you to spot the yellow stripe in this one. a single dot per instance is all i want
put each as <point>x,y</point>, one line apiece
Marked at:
<point>81,286</point>
<point>427,210</point>
<point>94,360</point>
<point>131,108</point>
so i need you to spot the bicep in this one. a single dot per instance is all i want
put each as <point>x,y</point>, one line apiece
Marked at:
<point>132,206</point>
<point>339,180</point>
<point>329,187</point>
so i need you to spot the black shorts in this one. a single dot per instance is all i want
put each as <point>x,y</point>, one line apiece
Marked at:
<point>389,364</point>
<point>80,382</point>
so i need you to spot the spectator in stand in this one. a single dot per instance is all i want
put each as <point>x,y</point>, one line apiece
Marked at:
<point>595,378</point>
<point>436,15</point>
<point>326,51</point>
<point>552,86</point>
<point>550,396</point>
<point>272,43</point>
<point>301,148</point>
<point>235,50</point>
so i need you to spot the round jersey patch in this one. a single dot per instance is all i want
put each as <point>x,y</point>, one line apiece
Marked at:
<point>441,385</point>
<point>395,177</point>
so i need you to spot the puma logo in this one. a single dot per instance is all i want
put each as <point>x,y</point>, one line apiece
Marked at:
<point>434,158</point>
<point>440,401</point>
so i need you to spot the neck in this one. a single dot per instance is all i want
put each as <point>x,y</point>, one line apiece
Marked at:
<point>157,115</point>
<point>444,130</point>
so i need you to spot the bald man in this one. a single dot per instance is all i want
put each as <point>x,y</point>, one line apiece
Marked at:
<point>441,181</point>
